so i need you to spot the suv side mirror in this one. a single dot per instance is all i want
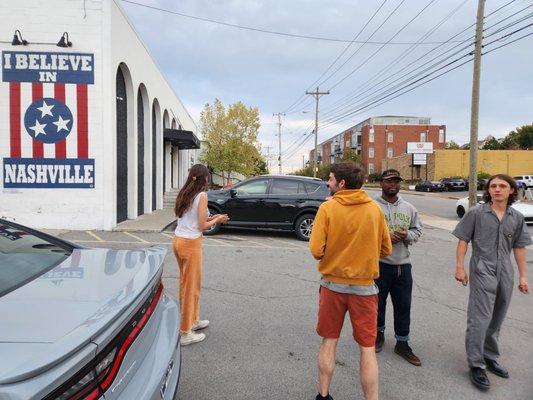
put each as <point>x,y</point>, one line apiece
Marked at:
<point>233,192</point>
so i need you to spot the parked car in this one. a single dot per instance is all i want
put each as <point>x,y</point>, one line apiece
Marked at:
<point>454,184</point>
<point>527,179</point>
<point>81,323</point>
<point>269,201</point>
<point>429,186</point>
<point>481,183</point>
<point>525,208</point>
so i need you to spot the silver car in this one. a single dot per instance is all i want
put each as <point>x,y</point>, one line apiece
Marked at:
<point>80,323</point>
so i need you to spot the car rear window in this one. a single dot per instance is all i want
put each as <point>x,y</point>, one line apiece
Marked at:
<point>24,257</point>
<point>286,186</point>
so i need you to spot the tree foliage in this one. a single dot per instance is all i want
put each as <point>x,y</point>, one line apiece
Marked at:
<point>452,145</point>
<point>350,155</point>
<point>231,138</point>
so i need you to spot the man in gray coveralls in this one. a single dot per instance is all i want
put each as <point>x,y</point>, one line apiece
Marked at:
<point>495,229</point>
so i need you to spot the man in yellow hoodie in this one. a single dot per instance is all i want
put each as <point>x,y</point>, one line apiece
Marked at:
<point>349,236</point>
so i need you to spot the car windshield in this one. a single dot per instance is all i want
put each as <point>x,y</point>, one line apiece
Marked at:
<point>24,256</point>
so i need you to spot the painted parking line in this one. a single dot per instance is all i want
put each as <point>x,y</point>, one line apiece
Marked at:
<point>167,235</point>
<point>294,245</point>
<point>221,242</point>
<point>136,237</point>
<point>94,235</point>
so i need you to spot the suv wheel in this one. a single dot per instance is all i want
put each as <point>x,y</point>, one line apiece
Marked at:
<point>303,226</point>
<point>215,228</point>
<point>460,211</point>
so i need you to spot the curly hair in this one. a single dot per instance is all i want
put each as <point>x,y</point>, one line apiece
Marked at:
<point>513,196</point>
<point>196,183</point>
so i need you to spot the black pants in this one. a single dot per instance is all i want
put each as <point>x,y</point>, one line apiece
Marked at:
<point>398,281</point>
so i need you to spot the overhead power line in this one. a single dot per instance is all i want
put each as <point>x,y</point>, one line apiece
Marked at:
<point>250,28</point>
<point>347,101</point>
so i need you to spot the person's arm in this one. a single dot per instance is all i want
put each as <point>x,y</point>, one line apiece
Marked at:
<point>386,243</point>
<point>415,229</point>
<point>203,221</point>
<point>319,234</point>
<point>520,257</point>
<point>522,239</point>
<point>460,273</point>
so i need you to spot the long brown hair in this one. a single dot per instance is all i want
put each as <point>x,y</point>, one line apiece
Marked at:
<point>512,197</point>
<point>196,183</point>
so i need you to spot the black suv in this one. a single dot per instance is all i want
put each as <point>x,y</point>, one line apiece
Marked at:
<point>454,184</point>
<point>267,201</point>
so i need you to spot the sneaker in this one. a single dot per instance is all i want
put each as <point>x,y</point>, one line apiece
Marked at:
<point>200,324</point>
<point>403,350</point>
<point>380,339</point>
<point>191,337</point>
<point>320,397</point>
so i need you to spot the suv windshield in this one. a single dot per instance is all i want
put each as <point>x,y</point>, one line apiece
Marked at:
<point>24,256</point>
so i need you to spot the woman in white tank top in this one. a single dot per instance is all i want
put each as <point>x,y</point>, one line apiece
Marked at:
<point>193,219</point>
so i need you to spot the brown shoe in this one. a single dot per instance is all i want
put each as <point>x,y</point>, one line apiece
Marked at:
<point>404,351</point>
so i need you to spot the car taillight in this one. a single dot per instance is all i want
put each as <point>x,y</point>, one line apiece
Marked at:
<point>93,380</point>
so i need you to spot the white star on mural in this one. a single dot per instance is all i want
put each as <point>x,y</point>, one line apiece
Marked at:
<point>38,128</point>
<point>61,124</point>
<point>45,109</point>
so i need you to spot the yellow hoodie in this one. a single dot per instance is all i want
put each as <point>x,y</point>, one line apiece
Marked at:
<point>349,236</point>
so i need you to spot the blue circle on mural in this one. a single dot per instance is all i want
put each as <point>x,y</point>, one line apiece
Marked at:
<point>48,120</point>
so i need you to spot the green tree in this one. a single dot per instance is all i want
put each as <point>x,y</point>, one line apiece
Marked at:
<point>231,138</point>
<point>492,144</point>
<point>350,155</point>
<point>521,138</point>
<point>260,167</point>
<point>452,145</point>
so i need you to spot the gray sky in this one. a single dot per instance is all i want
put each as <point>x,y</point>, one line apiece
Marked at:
<point>203,61</point>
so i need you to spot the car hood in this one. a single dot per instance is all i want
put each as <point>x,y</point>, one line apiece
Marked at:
<point>61,311</point>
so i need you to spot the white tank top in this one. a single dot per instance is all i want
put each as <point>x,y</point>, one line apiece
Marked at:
<point>187,225</point>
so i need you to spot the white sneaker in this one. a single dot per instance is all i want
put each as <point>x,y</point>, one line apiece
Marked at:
<point>200,324</point>
<point>191,337</point>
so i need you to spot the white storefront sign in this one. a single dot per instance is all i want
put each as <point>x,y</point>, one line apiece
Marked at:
<point>419,159</point>
<point>419,147</point>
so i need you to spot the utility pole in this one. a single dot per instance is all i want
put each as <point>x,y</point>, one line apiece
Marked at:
<point>303,161</point>
<point>279,138</point>
<point>317,96</point>
<point>474,111</point>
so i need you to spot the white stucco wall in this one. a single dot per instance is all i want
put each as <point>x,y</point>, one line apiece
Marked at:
<point>99,28</point>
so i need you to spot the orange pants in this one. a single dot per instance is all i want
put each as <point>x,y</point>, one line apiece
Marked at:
<point>188,252</point>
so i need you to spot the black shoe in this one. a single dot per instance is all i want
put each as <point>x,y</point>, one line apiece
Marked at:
<point>403,349</point>
<point>320,397</point>
<point>380,339</point>
<point>496,369</point>
<point>479,378</point>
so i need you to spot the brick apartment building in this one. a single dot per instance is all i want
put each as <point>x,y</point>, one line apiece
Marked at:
<point>379,138</point>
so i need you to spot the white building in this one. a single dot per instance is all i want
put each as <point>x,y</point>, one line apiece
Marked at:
<point>83,143</point>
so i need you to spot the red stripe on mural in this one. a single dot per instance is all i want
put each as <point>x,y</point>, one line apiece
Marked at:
<point>37,93</point>
<point>61,146</point>
<point>83,129</point>
<point>14,119</point>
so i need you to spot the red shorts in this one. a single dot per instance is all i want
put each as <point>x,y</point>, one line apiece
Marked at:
<point>363,315</point>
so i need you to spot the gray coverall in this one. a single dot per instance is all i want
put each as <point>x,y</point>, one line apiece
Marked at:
<point>491,276</point>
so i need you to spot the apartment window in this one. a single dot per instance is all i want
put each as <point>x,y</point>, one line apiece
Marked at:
<point>370,168</point>
<point>390,137</point>
<point>423,136</point>
<point>390,152</point>
<point>370,152</point>
<point>441,136</point>
<point>371,136</point>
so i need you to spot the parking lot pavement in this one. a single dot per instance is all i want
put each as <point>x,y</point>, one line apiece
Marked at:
<point>260,292</point>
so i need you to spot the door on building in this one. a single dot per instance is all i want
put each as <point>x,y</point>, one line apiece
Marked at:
<point>140,154</point>
<point>122,147</point>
